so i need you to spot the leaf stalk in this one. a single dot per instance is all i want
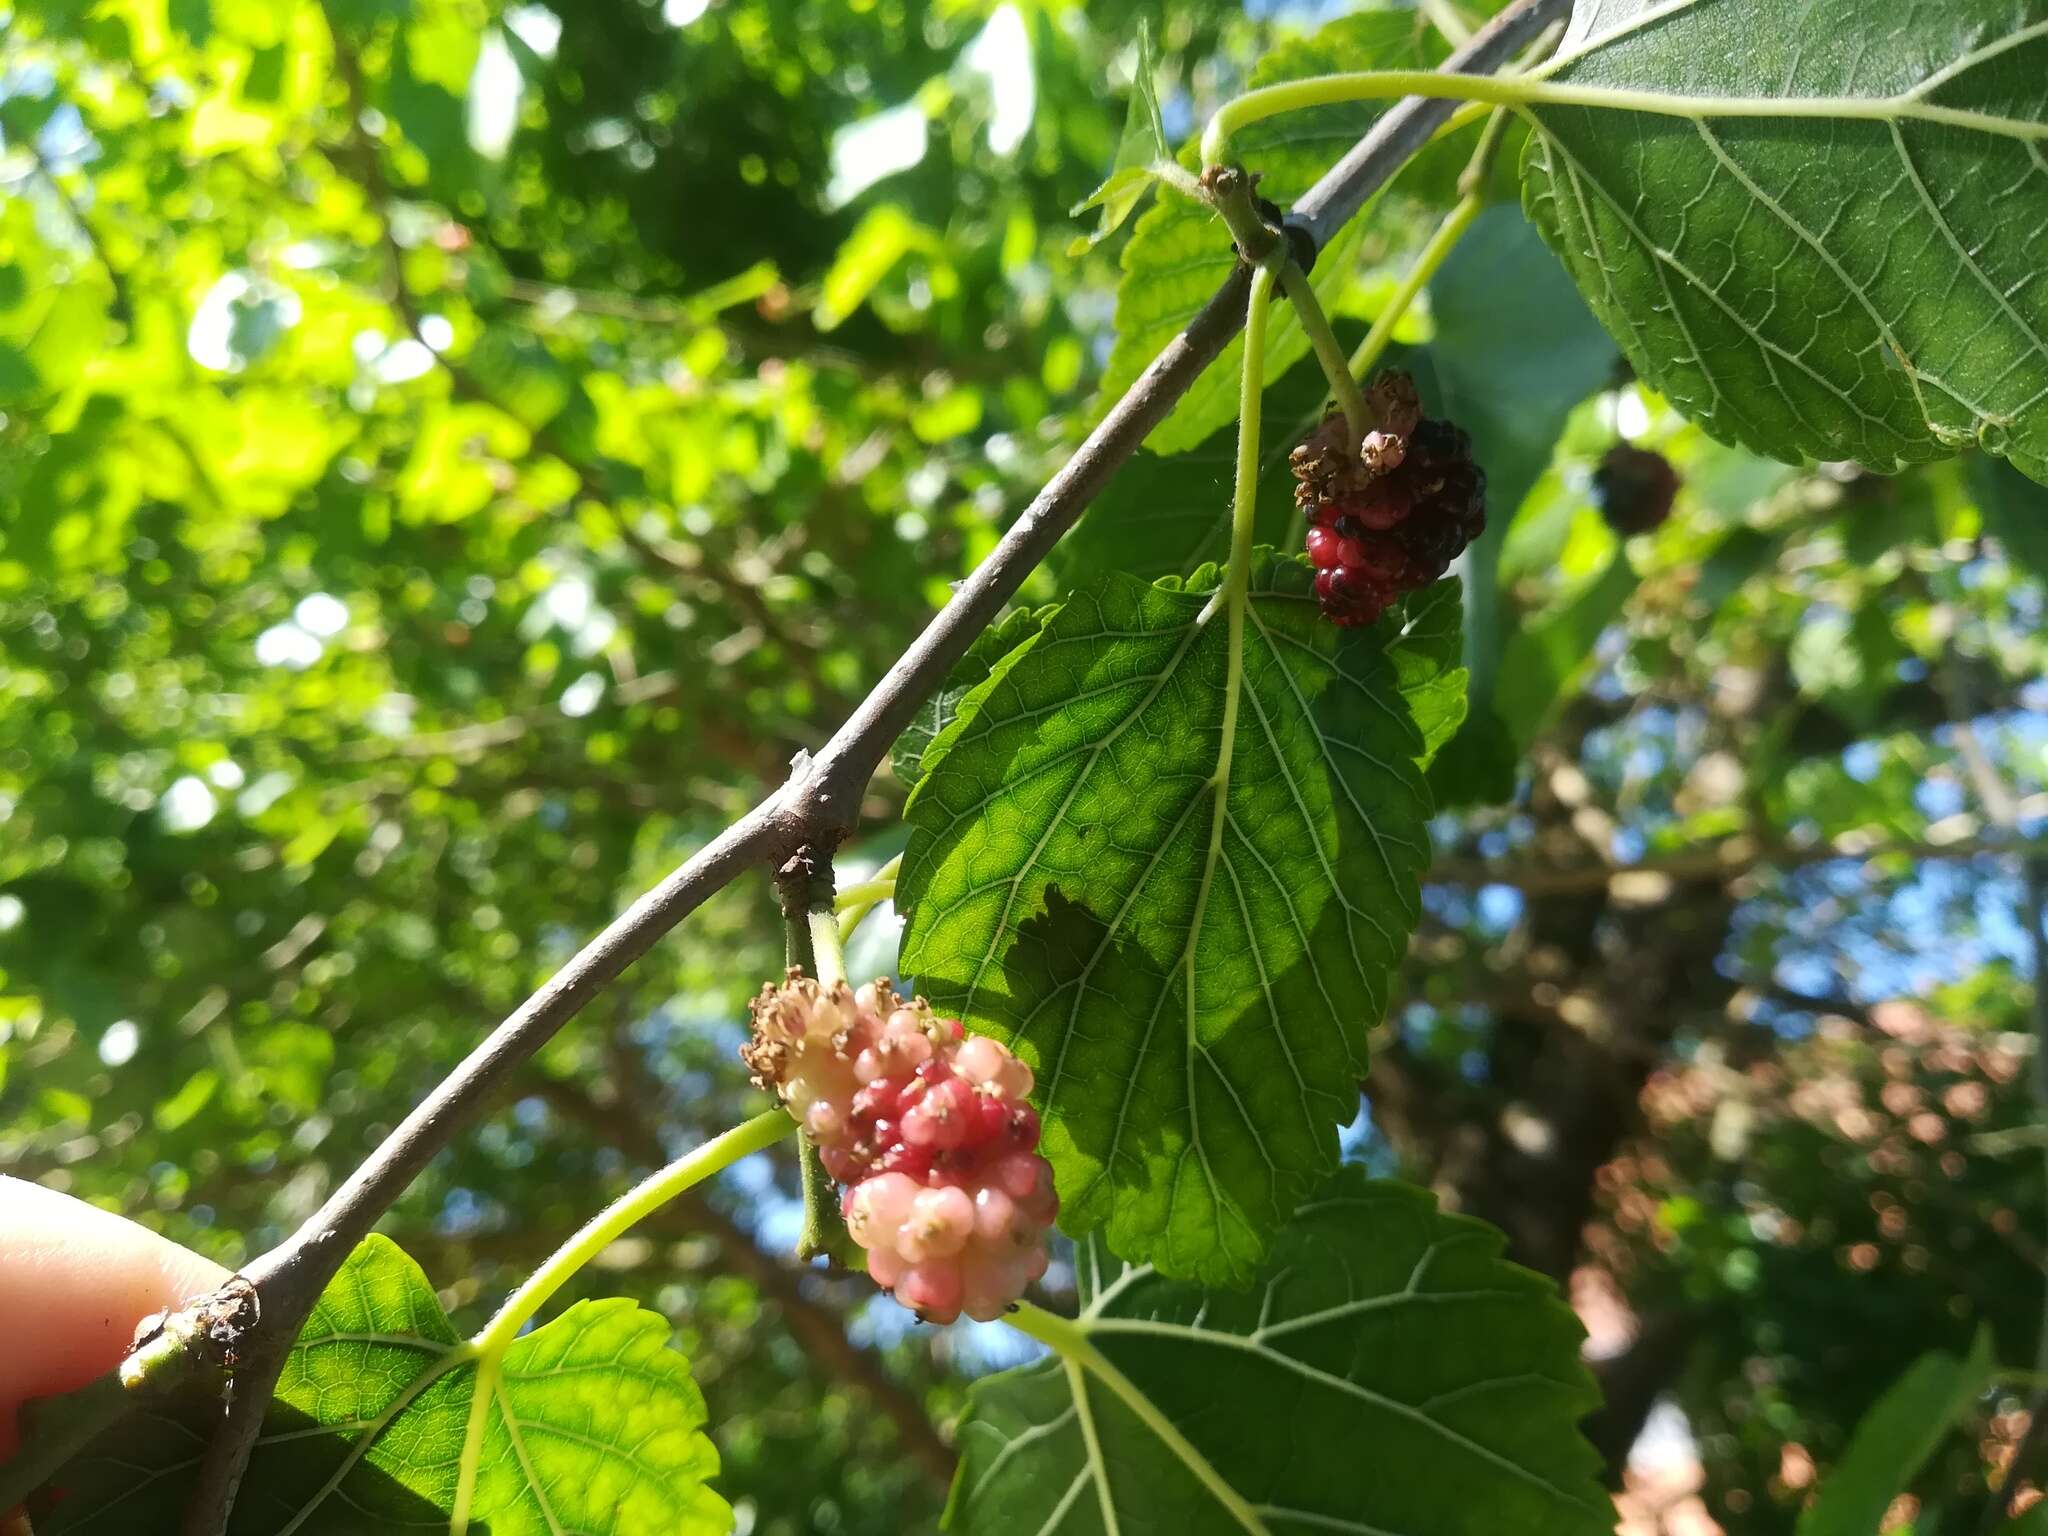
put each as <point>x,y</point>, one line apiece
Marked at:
<point>624,1213</point>
<point>1427,261</point>
<point>1069,1340</point>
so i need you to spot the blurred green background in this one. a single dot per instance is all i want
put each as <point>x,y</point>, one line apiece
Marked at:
<point>451,456</point>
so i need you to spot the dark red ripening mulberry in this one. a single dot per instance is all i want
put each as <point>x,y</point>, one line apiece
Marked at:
<point>1634,488</point>
<point>1390,514</point>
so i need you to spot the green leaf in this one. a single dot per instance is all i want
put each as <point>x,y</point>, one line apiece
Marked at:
<point>1821,239</point>
<point>1515,350</point>
<point>1390,1373</point>
<point>1180,252</point>
<point>1555,650</point>
<point>2015,512</point>
<point>1191,972</point>
<point>1142,148</point>
<point>937,712</point>
<point>1431,684</point>
<point>1895,1439</point>
<point>384,1419</point>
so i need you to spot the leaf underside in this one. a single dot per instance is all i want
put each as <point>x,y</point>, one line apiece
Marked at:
<point>590,1424</point>
<point>1388,1373</point>
<point>1862,273</point>
<point>1192,981</point>
<point>906,756</point>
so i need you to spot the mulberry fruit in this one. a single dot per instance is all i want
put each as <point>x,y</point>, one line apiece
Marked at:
<point>1389,515</point>
<point>929,1130</point>
<point>1634,488</point>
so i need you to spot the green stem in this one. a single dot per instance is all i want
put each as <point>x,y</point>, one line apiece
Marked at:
<point>866,893</point>
<point>853,917</point>
<point>1069,1340</point>
<point>813,946</point>
<point>1472,198</point>
<point>1329,351</point>
<point>1464,117</point>
<point>1472,180</point>
<point>1245,495</point>
<point>1328,90</point>
<point>1180,179</point>
<point>1244,506</point>
<point>631,1208</point>
<point>855,902</point>
<point>828,958</point>
<point>1235,597</point>
<point>1454,225</point>
<point>1535,89</point>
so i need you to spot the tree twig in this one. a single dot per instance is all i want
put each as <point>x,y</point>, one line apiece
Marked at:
<point>820,802</point>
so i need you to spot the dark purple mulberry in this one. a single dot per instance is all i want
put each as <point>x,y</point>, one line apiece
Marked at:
<point>1390,515</point>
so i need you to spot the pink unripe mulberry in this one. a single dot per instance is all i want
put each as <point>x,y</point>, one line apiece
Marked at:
<point>932,1289</point>
<point>929,1129</point>
<point>980,1060</point>
<point>941,1221</point>
<point>944,1117</point>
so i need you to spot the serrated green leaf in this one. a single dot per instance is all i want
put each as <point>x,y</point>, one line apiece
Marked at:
<point>1390,1373</point>
<point>1432,685</point>
<point>1895,1439</point>
<point>990,646</point>
<point>384,1418</point>
<point>1824,240</point>
<point>1180,252</point>
<point>1191,973</point>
